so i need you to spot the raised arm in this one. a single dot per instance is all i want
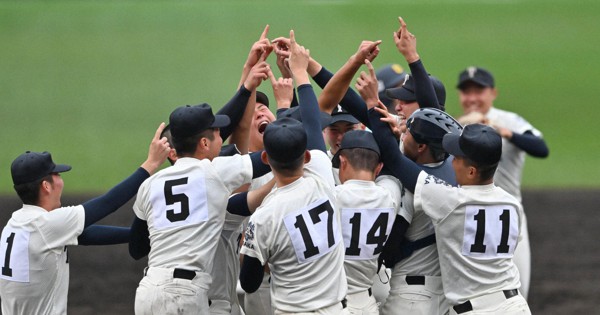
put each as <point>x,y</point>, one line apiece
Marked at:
<point>406,43</point>
<point>336,88</point>
<point>309,108</point>
<point>102,206</point>
<point>400,166</point>
<point>241,128</point>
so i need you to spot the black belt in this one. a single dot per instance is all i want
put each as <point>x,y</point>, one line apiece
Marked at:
<point>344,303</point>
<point>370,292</point>
<point>184,274</point>
<point>414,280</point>
<point>467,306</point>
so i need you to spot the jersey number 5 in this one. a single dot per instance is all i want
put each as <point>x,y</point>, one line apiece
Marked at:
<point>171,199</point>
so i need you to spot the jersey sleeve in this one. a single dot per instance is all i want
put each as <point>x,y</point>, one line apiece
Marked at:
<point>256,240</point>
<point>234,171</point>
<point>62,226</point>
<point>427,197</point>
<point>139,204</point>
<point>394,187</point>
<point>320,165</point>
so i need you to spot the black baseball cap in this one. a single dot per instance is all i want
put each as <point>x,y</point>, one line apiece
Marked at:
<point>294,113</point>
<point>477,142</point>
<point>407,91</point>
<point>340,114</point>
<point>285,140</point>
<point>476,75</point>
<point>31,166</point>
<point>262,98</point>
<point>389,76</point>
<point>355,139</point>
<point>190,120</point>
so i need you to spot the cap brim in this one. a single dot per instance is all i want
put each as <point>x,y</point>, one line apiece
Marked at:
<point>401,94</point>
<point>221,121</point>
<point>60,168</point>
<point>450,143</point>
<point>343,117</point>
<point>462,84</point>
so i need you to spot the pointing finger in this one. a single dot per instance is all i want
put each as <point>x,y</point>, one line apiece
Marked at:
<point>159,131</point>
<point>292,37</point>
<point>265,32</point>
<point>272,77</point>
<point>371,69</point>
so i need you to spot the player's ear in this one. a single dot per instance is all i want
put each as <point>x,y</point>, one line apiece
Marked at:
<point>421,147</point>
<point>378,168</point>
<point>494,92</point>
<point>306,156</point>
<point>264,157</point>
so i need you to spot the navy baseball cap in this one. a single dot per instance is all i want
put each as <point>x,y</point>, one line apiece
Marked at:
<point>31,166</point>
<point>389,76</point>
<point>262,98</point>
<point>294,113</point>
<point>407,91</point>
<point>340,114</point>
<point>285,140</point>
<point>479,143</point>
<point>355,139</point>
<point>475,75</point>
<point>190,120</point>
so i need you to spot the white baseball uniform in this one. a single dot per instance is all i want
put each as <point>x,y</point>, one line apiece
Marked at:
<point>35,268</point>
<point>477,230</point>
<point>422,291</point>
<point>184,206</point>
<point>368,210</point>
<point>297,231</point>
<point>508,177</point>
<point>336,171</point>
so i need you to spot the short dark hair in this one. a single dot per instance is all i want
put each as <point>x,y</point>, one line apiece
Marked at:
<point>437,153</point>
<point>29,193</point>
<point>187,146</point>
<point>361,158</point>
<point>485,172</point>
<point>287,168</point>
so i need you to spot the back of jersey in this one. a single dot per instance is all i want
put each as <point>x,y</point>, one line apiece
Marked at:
<point>368,211</point>
<point>297,231</point>
<point>477,230</point>
<point>184,206</point>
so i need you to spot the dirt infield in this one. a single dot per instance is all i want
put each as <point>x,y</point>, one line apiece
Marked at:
<point>563,227</point>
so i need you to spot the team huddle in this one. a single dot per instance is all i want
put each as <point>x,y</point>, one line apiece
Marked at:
<point>368,199</point>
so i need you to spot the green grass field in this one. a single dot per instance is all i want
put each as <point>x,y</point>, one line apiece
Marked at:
<point>90,81</point>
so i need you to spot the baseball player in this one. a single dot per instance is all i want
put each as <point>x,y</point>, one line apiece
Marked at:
<point>368,208</point>
<point>476,224</point>
<point>35,272</point>
<point>416,285</point>
<point>296,229</point>
<point>340,123</point>
<point>477,93</point>
<point>183,208</point>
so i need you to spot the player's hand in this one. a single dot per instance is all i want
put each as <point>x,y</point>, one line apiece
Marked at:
<point>283,90</point>
<point>392,120</point>
<point>367,50</point>
<point>260,49</point>
<point>298,61</point>
<point>406,43</point>
<point>367,86</point>
<point>158,152</point>
<point>281,47</point>
<point>258,73</point>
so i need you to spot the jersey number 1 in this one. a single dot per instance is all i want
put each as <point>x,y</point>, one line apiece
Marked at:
<point>479,246</point>
<point>6,270</point>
